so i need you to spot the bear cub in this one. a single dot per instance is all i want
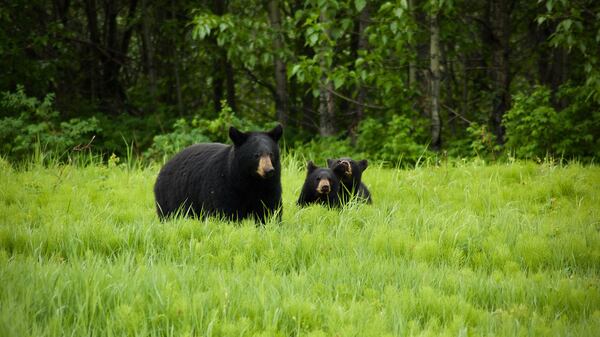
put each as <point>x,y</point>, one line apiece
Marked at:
<point>349,173</point>
<point>236,181</point>
<point>320,186</point>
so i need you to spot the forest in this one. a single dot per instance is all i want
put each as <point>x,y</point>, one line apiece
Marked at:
<point>391,80</point>
<point>476,124</point>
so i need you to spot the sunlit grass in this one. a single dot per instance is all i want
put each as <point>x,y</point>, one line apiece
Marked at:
<point>457,250</point>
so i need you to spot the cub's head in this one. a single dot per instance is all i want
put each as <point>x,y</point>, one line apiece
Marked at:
<point>257,153</point>
<point>322,180</point>
<point>347,169</point>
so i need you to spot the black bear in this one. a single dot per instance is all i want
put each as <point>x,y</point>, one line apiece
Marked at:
<point>320,186</point>
<point>349,173</point>
<point>234,181</point>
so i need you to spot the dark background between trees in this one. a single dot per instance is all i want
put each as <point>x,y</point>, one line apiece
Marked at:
<point>391,80</point>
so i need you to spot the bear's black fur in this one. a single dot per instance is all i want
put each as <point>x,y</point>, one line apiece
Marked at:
<point>349,173</point>
<point>234,181</point>
<point>320,186</point>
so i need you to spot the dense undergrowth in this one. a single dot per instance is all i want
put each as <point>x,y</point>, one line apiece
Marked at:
<point>457,249</point>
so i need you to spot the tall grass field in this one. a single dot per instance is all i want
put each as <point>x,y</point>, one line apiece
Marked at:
<point>465,249</point>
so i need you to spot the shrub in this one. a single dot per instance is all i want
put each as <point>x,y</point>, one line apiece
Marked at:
<point>531,124</point>
<point>321,148</point>
<point>34,122</point>
<point>535,129</point>
<point>394,143</point>
<point>482,142</point>
<point>197,130</point>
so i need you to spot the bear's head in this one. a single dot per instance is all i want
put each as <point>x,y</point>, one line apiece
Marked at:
<point>257,153</point>
<point>323,179</point>
<point>348,170</point>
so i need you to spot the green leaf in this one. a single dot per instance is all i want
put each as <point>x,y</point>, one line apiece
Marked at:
<point>316,92</point>
<point>398,12</point>
<point>338,81</point>
<point>295,69</point>
<point>360,4</point>
<point>541,19</point>
<point>313,39</point>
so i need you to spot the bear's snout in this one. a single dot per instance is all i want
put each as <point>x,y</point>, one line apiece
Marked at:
<point>265,167</point>
<point>345,167</point>
<point>324,187</point>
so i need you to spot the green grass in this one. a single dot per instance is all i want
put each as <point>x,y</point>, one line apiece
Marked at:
<point>459,250</point>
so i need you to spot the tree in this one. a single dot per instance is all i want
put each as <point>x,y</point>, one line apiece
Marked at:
<point>281,91</point>
<point>435,74</point>
<point>498,41</point>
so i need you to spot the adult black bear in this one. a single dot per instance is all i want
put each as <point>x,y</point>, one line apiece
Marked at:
<point>235,181</point>
<point>320,186</point>
<point>349,173</point>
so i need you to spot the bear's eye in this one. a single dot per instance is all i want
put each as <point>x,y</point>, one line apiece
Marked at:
<point>257,155</point>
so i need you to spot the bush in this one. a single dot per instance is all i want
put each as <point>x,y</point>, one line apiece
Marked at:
<point>198,130</point>
<point>395,143</point>
<point>534,129</point>
<point>319,149</point>
<point>482,142</point>
<point>36,123</point>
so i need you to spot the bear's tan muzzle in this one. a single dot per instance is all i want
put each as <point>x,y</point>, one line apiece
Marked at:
<point>265,167</point>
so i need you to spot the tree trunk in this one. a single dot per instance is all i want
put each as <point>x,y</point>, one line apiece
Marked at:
<point>434,50</point>
<point>148,50</point>
<point>499,13</point>
<point>176,64</point>
<point>552,62</point>
<point>362,44</point>
<point>110,52</point>
<point>95,54</point>
<point>230,81</point>
<point>281,91</point>
<point>412,64</point>
<point>326,106</point>
<point>223,76</point>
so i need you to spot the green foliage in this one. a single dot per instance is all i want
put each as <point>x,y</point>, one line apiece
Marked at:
<point>393,141</point>
<point>152,75</point>
<point>534,129</point>
<point>531,124</point>
<point>482,142</point>
<point>471,250</point>
<point>197,130</point>
<point>579,131</point>
<point>36,123</point>
<point>577,29</point>
<point>320,149</point>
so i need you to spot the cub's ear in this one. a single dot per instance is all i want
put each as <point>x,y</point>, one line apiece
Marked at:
<point>238,137</point>
<point>310,166</point>
<point>330,163</point>
<point>276,133</point>
<point>363,164</point>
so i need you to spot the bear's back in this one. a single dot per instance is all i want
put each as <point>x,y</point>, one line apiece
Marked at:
<point>188,178</point>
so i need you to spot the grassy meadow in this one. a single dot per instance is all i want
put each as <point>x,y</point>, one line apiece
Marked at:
<point>453,250</point>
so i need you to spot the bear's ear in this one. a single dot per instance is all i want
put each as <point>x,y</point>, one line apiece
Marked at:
<point>310,166</point>
<point>363,164</point>
<point>276,133</point>
<point>330,162</point>
<point>238,137</point>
